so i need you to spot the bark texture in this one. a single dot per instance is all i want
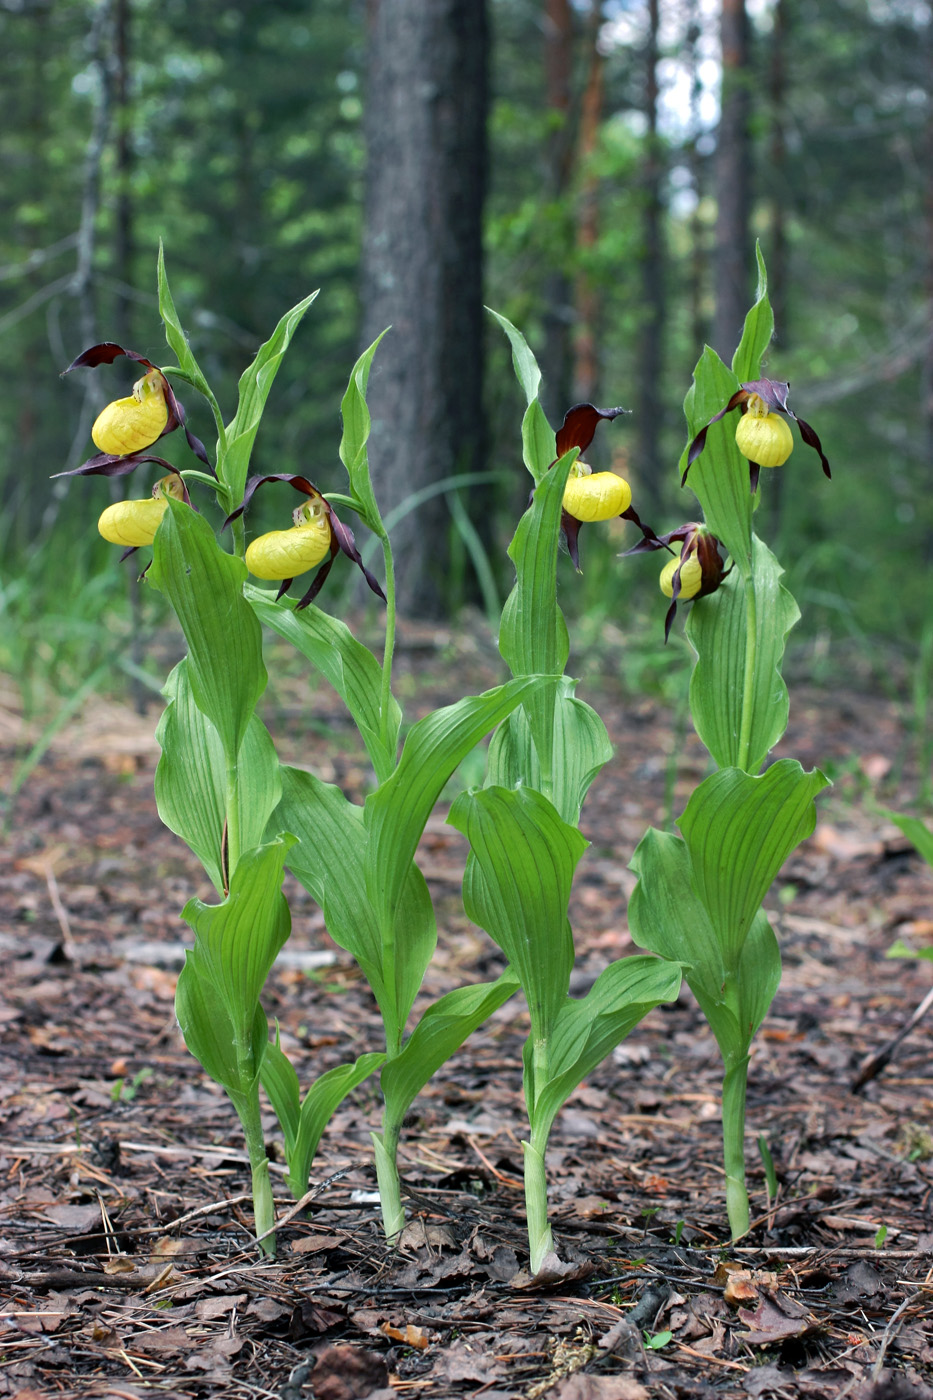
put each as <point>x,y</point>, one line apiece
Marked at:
<point>733,270</point>
<point>422,268</point>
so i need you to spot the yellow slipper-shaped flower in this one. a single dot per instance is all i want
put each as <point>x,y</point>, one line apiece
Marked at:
<point>762,436</point>
<point>590,495</point>
<point>134,523</point>
<point>283,554</point>
<point>129,425</point>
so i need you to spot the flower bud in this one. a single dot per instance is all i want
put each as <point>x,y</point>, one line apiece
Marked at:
<point>129,425</point>
<point>691,577</point>
<point>591,495</point>
<point>134,523</point>
<point>283,554</point>
<point>762,436</point>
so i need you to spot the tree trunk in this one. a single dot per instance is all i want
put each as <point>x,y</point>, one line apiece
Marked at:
<point>651,348</point>
<point>556,356</point>
<point>586,339</point>
<point>733,180</point>
<point>422,269</point>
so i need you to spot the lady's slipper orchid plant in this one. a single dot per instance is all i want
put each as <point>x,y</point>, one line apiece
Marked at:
<point>698,570</point>
<point>282,555</point>
<point>761,435</point>
<point>129,425</point>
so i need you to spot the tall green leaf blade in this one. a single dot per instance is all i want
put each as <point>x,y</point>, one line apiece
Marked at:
<point>397,811</point>
<point>539,441</point>
<point>587,1030</point>
<point>717,629</point>
<point>356,428</point>
<point>253,390</point>
<point>757,330</point>
<point>237,942</point>
<point>190,780</point>
<point>205,587</point>
<point>580,748</point>
<point>517,887</point>
<point>344,662</point>
<point>719,477</point>
<point>330,859</point>
<point>443,1028</point>
<point>533,635</point>
<point>739,831</point>
<point>174,333</point>
<point>523,361</point>
<point>210,1033</point>
<point>303,1123</point>
<point>667,916</point>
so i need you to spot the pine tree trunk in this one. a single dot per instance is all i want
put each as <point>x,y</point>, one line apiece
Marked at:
<point>587,333</point>
<point>556,356</point>
<point>651,344</point>
<point>733,272</point>
<point>422,269</point>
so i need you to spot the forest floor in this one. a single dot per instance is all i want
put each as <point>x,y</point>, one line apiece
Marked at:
<point>126,1262</point>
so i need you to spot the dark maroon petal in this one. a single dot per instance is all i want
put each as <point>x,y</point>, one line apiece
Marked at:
<point>669,619</point>
<point>754,471</point>
<point>126,554</point>
<point>300,483</point>
<point>176,419</point>
<point>649,539</point>
<point>107,464</point>
<point>773,391</point>
<point>811,439</point>
<point>571,528</point>
<point>105,354</point>
<point>319,579</point>
<point>284,586</point>
<point>346,542</point>
<point>579,425</point>
<point>699,442</point>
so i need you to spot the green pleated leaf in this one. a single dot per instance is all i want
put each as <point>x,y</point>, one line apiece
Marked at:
<point>443,1028</point>
<point>524,362</point>
<point>739,831</point>
<point>397,811</point>
<point>211,1036</point>
<point>579,750</point>
<point>190,780</point>
<point>533,635</point>
<point>717,629</point>
<point>539,441</point>
<point>899,949</point>
<point>237,942</point>
<point>356,429</point>
<point>303,1123</point>
<point>253,390</point>
<point>588,1029</point>
<point>205,587</point>
<point>332,859</point>
<point>719,477</point>
<point>757,330</point>
<point>667,916</point>
<point>344,662</point>
<point>329,859</point>
<point>517,887</point>
<point>916,831</point>
<point>174,333</point>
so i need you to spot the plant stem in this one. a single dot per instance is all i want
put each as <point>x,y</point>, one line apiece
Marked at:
<point>385,1145</point>
<point>540,1239</point>
<point>247,1107</point>
<point>233,822</point>
<point>733,1142</point>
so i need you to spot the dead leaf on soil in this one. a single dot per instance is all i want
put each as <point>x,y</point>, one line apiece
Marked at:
<point>776,1318</point>
<point>409,1335</point>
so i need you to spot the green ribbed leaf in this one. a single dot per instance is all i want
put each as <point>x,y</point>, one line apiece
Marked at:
<point>356,428</point>
<point>205,587</point>
<point>517,887</point>
<point>345,663</point>
<point>211,1036</point>
<point>441,1031</point>
<point>304,1122</point>
<point>524,362</point>
<point>236,942</point>
<point>719,477</point>
<point>916,831</point>
<point>191,776</point>
<point>739,831</point>
<point>717,629</point>
<point>588,1029</point>
<point>757,330</point>
<point>253,390</point>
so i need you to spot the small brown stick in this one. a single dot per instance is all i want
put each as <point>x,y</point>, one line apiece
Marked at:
<point>874,1064</point>
<point>61,913</point>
